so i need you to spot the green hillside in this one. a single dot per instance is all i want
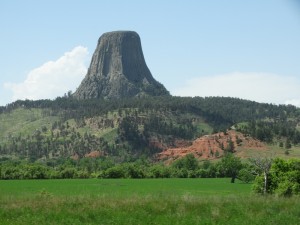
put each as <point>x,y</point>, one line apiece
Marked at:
<point>24,121</point>
<point>128,129</point>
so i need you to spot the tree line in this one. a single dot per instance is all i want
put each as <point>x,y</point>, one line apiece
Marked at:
<point>106,167</point>
<point>269,176</point>
<point>220,112</point>
<point>283,131</point>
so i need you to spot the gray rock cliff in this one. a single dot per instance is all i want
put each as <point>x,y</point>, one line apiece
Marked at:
<point>118,70</point>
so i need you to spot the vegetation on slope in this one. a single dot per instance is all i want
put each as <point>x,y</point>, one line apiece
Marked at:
<point>130,128</point>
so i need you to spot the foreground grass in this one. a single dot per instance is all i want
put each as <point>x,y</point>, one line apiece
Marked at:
<point>150,210</point>
<point>169,201</point>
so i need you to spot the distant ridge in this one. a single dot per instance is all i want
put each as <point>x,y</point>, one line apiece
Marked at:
<point>118,70</point>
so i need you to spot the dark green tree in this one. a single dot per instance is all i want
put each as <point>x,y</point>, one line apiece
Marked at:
<point>288,144</point>
<point>230,165</point>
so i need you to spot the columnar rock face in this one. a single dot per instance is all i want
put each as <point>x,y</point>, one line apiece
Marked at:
<point>118,69</point>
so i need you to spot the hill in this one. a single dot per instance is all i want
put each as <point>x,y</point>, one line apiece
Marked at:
<point>128,129</point>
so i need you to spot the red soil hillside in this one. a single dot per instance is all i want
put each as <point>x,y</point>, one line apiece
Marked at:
<point>212,146</point>
<point>92,154</point>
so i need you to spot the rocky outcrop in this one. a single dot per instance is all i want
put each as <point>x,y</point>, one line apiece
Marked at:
<point>213,146</point>
<point>118,69</point>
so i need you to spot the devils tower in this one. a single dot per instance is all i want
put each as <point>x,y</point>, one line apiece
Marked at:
<point>118,70</point>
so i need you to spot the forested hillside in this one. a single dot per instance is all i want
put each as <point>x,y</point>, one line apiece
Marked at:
<point>128,129</point>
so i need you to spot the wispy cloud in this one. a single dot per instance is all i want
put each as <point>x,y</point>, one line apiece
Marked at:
<point>260,87</point>
<point>53,78</point>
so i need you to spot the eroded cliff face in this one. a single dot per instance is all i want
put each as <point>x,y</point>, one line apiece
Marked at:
<point>118,69</point>
<point>212,146</point>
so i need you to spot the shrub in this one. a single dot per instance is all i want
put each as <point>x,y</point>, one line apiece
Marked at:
<point>283,179</point>
<point>68,173</point>
<point>285,189</point>
<point>115,172</point>
<point>245,175</point>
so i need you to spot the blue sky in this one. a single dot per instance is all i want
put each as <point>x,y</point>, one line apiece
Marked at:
<point>245,49</point>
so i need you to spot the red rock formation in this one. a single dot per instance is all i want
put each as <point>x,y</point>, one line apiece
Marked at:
<point>212,146</point>
<point>94,154</point>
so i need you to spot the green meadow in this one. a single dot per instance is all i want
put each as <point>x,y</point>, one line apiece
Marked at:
<point>141,201</point>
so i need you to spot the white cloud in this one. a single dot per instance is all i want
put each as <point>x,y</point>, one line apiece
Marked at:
<point>260,87</point>
<point>54,78</point>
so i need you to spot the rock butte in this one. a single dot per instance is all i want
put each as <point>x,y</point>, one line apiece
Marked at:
<point>118,70</point>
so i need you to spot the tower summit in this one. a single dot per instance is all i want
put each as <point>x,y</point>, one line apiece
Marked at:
<point>118,70</point>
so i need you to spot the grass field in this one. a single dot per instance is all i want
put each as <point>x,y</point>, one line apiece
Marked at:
<point>146,201</point>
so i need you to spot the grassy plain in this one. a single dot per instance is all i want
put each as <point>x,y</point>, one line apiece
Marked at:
<point>146,201</point>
